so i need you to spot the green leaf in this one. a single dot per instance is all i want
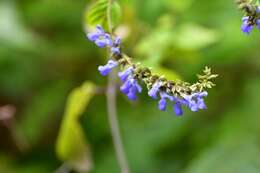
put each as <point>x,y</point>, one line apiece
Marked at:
<point>193,37</point>
<point>97,14</point>
<point>161,38</point>
<point>71,146</point>
<point>116,13</point>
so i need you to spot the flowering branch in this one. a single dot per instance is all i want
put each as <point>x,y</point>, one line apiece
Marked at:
<point>252,15</point>
<point>179,92</point>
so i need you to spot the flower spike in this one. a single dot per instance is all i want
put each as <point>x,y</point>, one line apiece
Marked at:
<point>177,93</point>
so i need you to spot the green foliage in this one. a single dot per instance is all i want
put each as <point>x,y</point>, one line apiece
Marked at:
<point>71,145</point>
<point>165,37</point>
<point>239,156</point>
<point>236,148</point>
<point>12,31</point>
<point>9,166</point>
<point>45,105</point>
<point>97,14</point>
<point>193,37</point>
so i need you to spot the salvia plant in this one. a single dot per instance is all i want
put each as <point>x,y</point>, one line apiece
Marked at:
<point>251,16</point>
<point>103,15</point>
<point>135,78</point>
<point>134,75</point>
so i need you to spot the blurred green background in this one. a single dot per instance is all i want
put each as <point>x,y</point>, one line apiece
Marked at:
<point>44,55</point>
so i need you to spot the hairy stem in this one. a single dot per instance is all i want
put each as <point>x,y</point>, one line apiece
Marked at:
<point>112,110</point>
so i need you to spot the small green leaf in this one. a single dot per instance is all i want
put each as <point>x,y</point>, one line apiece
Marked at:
<point>116,13</point>
<point>97,14</point>
<point>71,146</point>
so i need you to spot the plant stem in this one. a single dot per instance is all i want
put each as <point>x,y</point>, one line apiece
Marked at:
<point>112,110</point>
<point>112,116</point>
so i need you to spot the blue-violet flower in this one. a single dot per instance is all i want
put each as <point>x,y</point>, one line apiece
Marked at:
<point>100,38</point>
<point>124,74</point>
<point>177,108</point>
<point>130,88</point>
<point>195,101</point>
<point>104,70</point>
<point>163,103</point>
<point>246,26</point>
<point>155,89</point>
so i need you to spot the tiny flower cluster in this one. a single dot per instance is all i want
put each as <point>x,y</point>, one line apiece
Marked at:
<point>252,15</point>
<point>179,93</point>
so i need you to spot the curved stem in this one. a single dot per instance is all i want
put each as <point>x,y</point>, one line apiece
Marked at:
<point>112,116</point>
<point>112,110</point>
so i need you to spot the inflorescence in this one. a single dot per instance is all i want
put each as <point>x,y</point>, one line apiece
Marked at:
<point>251,18</point>
<point>132,75</point>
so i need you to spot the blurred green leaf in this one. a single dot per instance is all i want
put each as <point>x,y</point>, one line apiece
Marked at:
<point>192,37</point>
<point>71,146</point>
<point>166,41</point>
<point>12,30</point>
<point>97,14</point>
<point>157,42</point>
<point>41,110</point>
<point>239,156</point>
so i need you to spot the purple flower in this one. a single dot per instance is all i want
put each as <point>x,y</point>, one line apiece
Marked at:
<point>195,101</point>
<point>245,19</point>
<point>246,26</point>
<point>132,93</point>
<point>103,39</point>
<point>104,70</point>
<point>130,88</point>
<point>100,38</point>
<point>95,35</point>
<point>177,108</point>
<point>125,88</point>
<point>101,43</point>
<point>163,103</point>
<point>258,9</point>
<point>124,74</point>
<point>201,103</point>
<point>117,41</point>
<point>155,89</point>
<point>258,24</point>
<point>115,50</point>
